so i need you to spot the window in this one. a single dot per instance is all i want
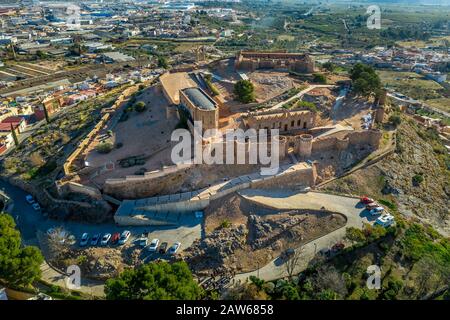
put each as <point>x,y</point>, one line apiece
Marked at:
<point>298,123</point>
<point>292,123</point>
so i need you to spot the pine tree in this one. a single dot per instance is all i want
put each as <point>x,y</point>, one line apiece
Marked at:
<point>16,140</point>
<point>47,118</point>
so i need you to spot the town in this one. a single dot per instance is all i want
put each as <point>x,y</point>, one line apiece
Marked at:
<point>97,96</point>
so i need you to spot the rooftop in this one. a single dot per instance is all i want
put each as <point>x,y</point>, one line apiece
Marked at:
<point>200,99</point>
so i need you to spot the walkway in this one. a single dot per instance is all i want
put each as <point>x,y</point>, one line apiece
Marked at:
<point>350,207</point>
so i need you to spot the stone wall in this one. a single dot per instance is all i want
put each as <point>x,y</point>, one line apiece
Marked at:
<point>140,212</point>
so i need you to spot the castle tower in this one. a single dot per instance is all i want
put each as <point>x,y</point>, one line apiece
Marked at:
<point>379,114</point>
<point>305,145</point>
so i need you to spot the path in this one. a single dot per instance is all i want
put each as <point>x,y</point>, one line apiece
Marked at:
<point>298,95</point>
<point>350,207</point>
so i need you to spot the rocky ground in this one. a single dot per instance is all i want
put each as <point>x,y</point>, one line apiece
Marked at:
<point>96,262</point>
<point>396,179</point>
<point>242,236</point>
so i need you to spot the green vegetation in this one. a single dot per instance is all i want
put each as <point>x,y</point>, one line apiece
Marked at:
<point>365,80</point>
<point>162,62</point>
<point>300,104</point>
<point>319,78</point>
<point>154,281</point>
<point>417,179</point>
<point>244,91</point>
<point>140,106</point>
<point>19,266</point>
<point>395,119</point>
<point>329,66</point>
<point>104,147</point>
<point>14,135</point>
<point>225,224</point>
<point>211,86</point>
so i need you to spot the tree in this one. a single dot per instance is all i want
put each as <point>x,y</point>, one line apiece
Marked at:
<point>162,62</point>
<point>329,282</point>
<point>14,135</point>
<point>292,263</point>
<point>47,118</point>
<point>364,79</point>
<point>244,91</point>
<point>154,281</point>
<point>319,78</point>
<point>328,66</point>
<point>104,147</point>
<point>395,119</point>
<point>139,106</point>
<point>19,266</point>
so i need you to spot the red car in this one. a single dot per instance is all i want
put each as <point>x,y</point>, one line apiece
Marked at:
<point>115,238</point>
<point>366,200</point>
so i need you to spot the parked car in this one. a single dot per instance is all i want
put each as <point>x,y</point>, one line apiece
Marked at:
<point>163,247</point>
<point>372,205</point>
<point>29,198</point>
<point>36,206</point>
<point>153,245</point>
<point>174,248</point>
<point>385,220</point>
<point>142,241</point>
<point>95,238</point>
<point>366,200</point>
<point>376,211</point>
<point>84,240</point>
<point>105,239</point>
<point>124,237</point>
<point>286,254</point>
<point>115,238</point>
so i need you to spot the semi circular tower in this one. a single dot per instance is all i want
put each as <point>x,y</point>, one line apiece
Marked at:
<point>282,145</point>
<point>305,145</point>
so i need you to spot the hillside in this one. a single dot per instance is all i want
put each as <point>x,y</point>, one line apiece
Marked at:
<point>414,180</point>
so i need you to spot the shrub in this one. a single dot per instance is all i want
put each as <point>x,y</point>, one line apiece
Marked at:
<point>225,223</point>
<point>417,179</point>
<point>395,119</point>
<point>104,147</point>
<point>319,78</point>
<point>140,106</point>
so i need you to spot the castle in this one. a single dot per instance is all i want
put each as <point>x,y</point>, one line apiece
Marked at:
<point>253,60</point>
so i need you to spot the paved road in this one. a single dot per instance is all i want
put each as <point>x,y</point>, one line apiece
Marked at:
<point>30,222</point>
<point>350,207</point>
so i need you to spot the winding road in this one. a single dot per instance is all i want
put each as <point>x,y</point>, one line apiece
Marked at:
<point>348,206</point>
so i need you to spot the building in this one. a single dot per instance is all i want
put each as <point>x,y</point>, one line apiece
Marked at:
<point>110,57</point>
<point>284,120</point>
<point>18,123</point>
<point>253,60</point>
<point>199,107</point>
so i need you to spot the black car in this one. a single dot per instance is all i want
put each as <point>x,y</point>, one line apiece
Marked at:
<point>163,247</point>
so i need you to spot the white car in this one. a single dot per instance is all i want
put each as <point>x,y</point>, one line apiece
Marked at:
<point>36,206</point>
<point>376,211</point>
<point>153,245</point>
<point>95,239</point>
<point>385,220</point>
<point>105,239</point>
<point>174,248</point>
<point>124,237</point>
<point>29,198</point>
<point>142,241</point>
<point>84,240</point>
